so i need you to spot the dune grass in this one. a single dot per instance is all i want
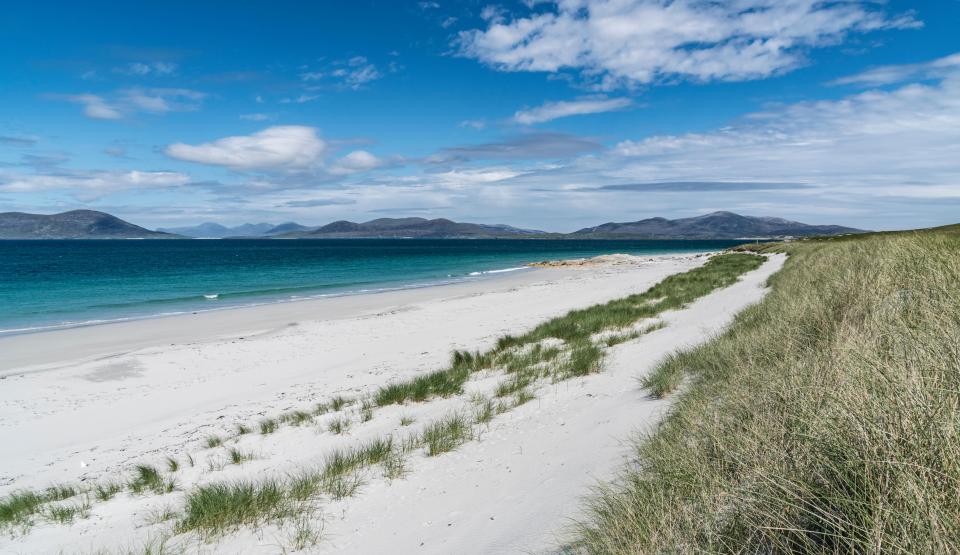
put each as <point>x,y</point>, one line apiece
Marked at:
<point>295,418</point>
<point>338,425</point>
<point>825,420</point>
<point>148,479</point>
<point>268,426</point>
<point>527,358</point>
<point>447,434</point>
<point>17,508</point>
<point>216,508</point>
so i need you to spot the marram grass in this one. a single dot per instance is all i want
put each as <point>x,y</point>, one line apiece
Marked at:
<point>825,420</point>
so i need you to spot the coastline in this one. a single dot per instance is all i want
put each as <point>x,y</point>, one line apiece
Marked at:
<point>114,395</point>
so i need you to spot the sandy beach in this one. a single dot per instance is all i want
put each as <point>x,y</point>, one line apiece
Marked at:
<point>83,405</point>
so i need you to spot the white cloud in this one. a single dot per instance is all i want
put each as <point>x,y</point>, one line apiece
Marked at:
<point>554,110</point>
<point>287,147</point>
<point>886,75</point>
<point>356,161</point>
<point>94,106</point>
<point>148,68</point>
<point>160,101</point>
<point>94,181</point>
<point>255,117</point>
<point>625,42</point>
<point>904,142</point>
<point>136,99</point>
<point>353,73</point>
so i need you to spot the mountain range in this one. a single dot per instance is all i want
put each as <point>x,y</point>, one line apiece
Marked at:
<point>717,225</point>
<point>89,224</point>
<point>393,228</point>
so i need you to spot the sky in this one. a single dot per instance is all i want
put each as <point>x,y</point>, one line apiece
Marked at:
<point>551,115</point>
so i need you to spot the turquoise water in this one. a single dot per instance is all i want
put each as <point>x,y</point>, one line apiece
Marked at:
<point>50,284</point>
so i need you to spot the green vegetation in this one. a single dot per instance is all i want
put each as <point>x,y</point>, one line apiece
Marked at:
<point>172,464</point>
<point>527,358</point>
<point>339,402</point>
<point>18,507</point>
<point>338,425</point>
<point>268,426</point>
<point>217,508</point>
<point>295,418</point>
<point>237,456</point>
<point>213,441</point>
<point>148,478</point>
<point>825,420</point>
<point>447,434</point>
<point>106,491</point>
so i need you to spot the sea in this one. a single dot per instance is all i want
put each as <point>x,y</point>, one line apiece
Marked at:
<point>57,284</point>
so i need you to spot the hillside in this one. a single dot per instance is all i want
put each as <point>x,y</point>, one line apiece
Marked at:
<point>718,225</point>
<point>76,224</point>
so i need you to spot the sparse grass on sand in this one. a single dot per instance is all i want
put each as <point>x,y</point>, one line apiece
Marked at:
<point>525,357</point>
<point>447,434</point>
<point>825,420</point>
<point>148,479</point>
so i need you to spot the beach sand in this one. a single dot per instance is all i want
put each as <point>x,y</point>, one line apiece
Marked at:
<point>85,404</point>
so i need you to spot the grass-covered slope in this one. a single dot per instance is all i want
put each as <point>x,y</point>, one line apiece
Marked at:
<point>826,419</point>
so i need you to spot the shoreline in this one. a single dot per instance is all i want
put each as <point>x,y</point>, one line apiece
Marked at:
<point>346,292</point>
<point>84,421</point>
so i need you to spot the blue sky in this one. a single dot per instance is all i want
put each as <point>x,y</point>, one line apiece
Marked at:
<point>551,115</point>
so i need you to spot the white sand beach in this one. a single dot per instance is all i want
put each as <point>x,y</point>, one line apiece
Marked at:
<point>84,405</point>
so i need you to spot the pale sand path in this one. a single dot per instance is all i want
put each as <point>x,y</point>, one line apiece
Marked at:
<point>508,493</point>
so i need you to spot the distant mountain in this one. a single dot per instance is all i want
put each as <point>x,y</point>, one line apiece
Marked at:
<point>76,224</point>
<point>211,230</point>
<point>408,228</point>
<point>287,228</point>
<point>718,225</point>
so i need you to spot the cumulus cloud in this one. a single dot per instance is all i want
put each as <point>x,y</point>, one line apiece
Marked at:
<point>626,42</point>
<point>356,161</point>
<point>887,75</point>
<point>554,110</point>
<point>286,147</point>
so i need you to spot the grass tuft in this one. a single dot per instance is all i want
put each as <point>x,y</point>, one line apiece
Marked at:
<point>447,434</point>
<point>268,426</point>
<point>215,509</point>
<point>339,425</point>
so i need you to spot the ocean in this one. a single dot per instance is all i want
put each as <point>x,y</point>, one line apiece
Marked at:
<point>56,284</point>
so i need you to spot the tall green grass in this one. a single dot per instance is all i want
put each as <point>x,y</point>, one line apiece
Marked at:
<point>825,420</point>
